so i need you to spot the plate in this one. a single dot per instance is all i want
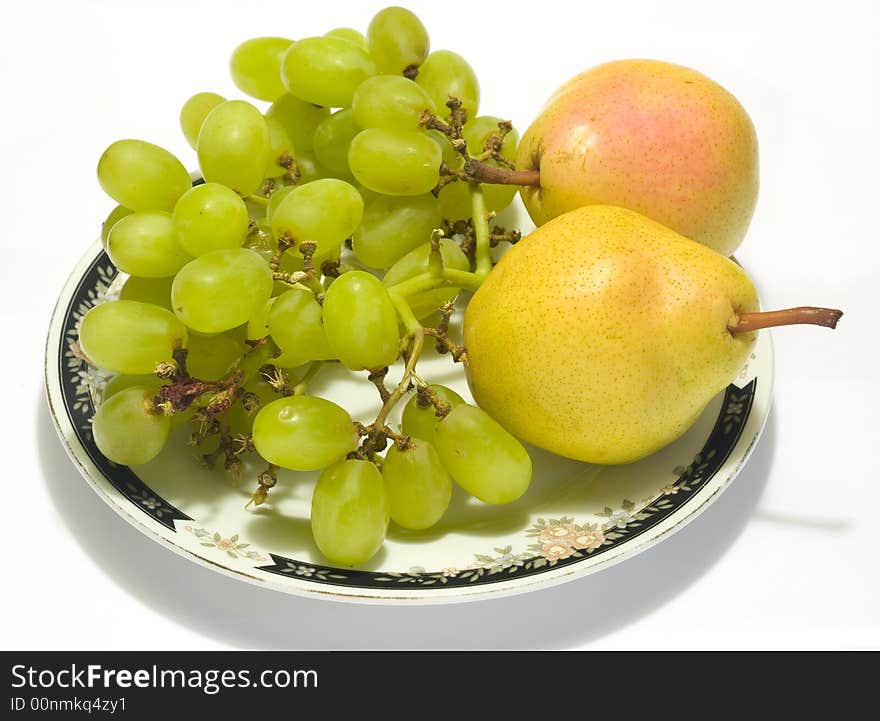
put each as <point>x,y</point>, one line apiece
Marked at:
<point>574,520</point>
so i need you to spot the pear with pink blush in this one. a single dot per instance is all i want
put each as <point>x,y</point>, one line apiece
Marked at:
<point>650,136</point>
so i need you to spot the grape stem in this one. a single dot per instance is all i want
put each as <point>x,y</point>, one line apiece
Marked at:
<point>428,281</point>
<point>481,229</point>
<point>747,322</point>
<point>415,351</point>
<point>377,378</point>
<point>398,295</point>
<point>303,383</point>
<point>259,200</point>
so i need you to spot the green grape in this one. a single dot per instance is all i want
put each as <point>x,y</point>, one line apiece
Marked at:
<point>289,360</point>
<point>275,200</point>
<point>324,211</point>
<point>211,357</point>
<point>258,323</point>
<point>476,132</point>
<point>121,382</point>
<point>281,152</point>
<point>298,118</point>
<point>233,146</point>
<point>353,36</point>
<point>395,162</point>
<point>194,112</point>
<point>210,217</point>
<point>143,244</point>
<point>117,214</point>
<point>256,67</point>
<point>332,139</point>
<point>142,176</point>
<point>397,40</point>
<point>221,289</point>
<point>415,263</point>
<point>151,383</point>
<point>263,244</point>
<point>450,156</point>
<point>257,393</point>
<point>455,198</point>
<point>350,512</point>
<point>148,290</point>
<point>419,421</point>
<point>239,333</point>
<point>304,433</point>
<point>254,360</point>
<point>126,431</point>
<point>455,201</point>
<point>483,458</point>
<point>391,101</point>
<point>445,74</point>
<point>393,226</point>
<point>325,71</point>
<point>368,195</point>
<point>417,484</point>
<point>360,321</point>
<point>310,169</point>
<point>124,336</point>
<point>297,328</point>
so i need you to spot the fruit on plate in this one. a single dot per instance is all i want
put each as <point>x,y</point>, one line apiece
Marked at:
<point>603,335</point>
<point>339,227</point>
<point>657,138</point>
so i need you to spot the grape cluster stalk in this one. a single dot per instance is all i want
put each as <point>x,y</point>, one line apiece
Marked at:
<point>338,225</point>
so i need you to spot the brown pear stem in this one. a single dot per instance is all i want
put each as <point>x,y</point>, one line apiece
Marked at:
<point>484,173</point>
<point>747,322</point>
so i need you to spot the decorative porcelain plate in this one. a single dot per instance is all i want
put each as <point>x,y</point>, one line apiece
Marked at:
<point>574,520</point>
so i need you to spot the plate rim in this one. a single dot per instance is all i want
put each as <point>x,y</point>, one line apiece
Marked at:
<point>730,468</point>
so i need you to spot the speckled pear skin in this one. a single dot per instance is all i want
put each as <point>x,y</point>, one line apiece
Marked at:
<point>660,139</point>
<point>603,335</point>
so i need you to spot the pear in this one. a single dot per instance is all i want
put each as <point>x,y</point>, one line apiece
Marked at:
<point>603,335</point>
<point>657,138</point>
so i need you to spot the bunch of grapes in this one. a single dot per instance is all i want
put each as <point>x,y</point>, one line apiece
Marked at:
<point>317,237</point>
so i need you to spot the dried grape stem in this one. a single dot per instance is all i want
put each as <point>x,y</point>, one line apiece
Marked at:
<point>747,322</point>
<point>426,397</point>
<point>377,378</point>
<point>267,479</point>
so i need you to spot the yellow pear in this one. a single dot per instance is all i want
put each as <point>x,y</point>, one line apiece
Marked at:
<point>604,334</point>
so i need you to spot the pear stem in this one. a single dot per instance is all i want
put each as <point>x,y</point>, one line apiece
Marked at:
<point>747,322</point>
<point>481,172</point>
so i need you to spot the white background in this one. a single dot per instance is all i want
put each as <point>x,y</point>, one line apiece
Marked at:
<point>786,558</point>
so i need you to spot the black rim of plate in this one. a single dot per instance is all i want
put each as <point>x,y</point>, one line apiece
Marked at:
<point>732,418</point>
